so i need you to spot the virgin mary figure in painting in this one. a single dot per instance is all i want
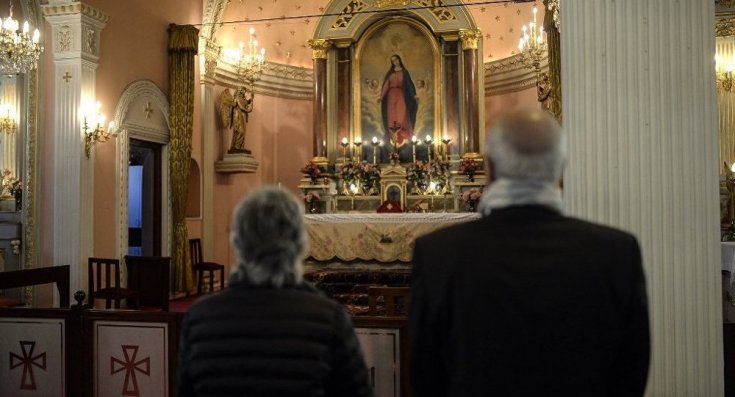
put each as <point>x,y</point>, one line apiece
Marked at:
<point>398,105</point>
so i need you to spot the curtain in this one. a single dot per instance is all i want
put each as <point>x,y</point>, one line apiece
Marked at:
<point>182,46</point>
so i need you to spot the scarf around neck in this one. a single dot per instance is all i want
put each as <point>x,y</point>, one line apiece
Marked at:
<point>505,192</point>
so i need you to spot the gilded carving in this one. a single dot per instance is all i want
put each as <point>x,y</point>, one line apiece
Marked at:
<point>470,38</point>
<point>725,27</point>
<point>725,3</point>
<point>391,3</point>
<point>439,9</point>
<point>319,48</point>
<point>555,7</point>
<point>64,39</point>
<point>348,13</point>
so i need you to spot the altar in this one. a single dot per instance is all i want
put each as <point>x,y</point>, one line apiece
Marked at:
<point>373,237</point>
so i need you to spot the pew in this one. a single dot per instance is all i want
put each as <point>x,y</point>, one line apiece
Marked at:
<point>58,275</point>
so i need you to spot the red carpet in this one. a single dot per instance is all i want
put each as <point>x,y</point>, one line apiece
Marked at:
<point>181,305</point>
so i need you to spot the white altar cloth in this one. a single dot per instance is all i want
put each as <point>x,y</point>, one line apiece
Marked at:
<point>373,237</point>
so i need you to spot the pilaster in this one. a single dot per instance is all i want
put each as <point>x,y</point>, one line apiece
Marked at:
<point>319,54</point>
<point>640,113</point>
<point>75,29</point>
<point>208,55</point>
<point>470,39</point>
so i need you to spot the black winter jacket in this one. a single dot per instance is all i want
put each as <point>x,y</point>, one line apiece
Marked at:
<point>261,341</point>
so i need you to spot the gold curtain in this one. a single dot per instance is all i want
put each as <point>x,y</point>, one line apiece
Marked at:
<point>552,103</point>
<point>182,46</point>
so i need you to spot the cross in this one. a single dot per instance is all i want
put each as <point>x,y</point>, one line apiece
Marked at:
<point>27,361</point>
<point>66,77</point>
<point>148,110</point>
<point>130,366</point>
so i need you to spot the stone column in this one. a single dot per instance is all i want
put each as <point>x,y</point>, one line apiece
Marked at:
<point>640,114</point>
<point>470,39</point>
<point>319,49</point>
<point>75,29</point>
<point>208,55</point>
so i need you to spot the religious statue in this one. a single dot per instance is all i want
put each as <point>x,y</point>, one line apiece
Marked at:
<point>234,112</point>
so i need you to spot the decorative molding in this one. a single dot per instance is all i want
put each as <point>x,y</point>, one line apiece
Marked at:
<point>277,80</point>
<point>725,27</point>
<point>470,38</point>
<point>212,18</point>
<point>391,3</point>
<point>348,14</point>
<point>319,48</point>
<point>439,9</point>
<point>64,39</point>
<point>236,163</point>
<point>153,129</point>
<point>510,75</point>
<point>75,9</point>
<point>725,3</point>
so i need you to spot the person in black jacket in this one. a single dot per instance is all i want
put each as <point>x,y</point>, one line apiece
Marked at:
<point>526,301</point>
<point>269,333</point>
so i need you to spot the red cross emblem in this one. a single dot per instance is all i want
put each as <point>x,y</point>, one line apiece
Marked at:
<point>130,366</point>
<point>27,360</point>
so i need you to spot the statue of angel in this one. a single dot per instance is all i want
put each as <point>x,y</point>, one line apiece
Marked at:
<point>234,112</point>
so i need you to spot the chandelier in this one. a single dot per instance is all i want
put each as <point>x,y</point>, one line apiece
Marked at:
<point>19,52</point>
<point>250,61</point>
<point>532,46</point>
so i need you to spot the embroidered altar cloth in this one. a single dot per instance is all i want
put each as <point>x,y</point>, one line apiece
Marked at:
<point>373,237</point>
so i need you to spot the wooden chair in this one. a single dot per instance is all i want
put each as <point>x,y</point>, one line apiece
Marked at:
<point>108,291</point>
<point>150,276</point>
<point>199,266</point>
<point>397,300</point>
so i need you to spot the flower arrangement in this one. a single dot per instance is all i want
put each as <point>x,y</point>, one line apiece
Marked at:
<point>471,195</point>
<point>469,167</point>
<point>11,184</point>
<point>418,174</point>
<point>370,176</point>
<point>312,169</point>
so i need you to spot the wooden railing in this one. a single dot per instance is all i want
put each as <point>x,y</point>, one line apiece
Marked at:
<point>42,275</point>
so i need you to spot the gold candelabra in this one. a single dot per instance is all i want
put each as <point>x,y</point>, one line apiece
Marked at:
<point>532,49</point>
<point>19,50</point>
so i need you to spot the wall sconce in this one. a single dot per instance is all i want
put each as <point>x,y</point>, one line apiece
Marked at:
<point>723,70</point>
<point>7,119</point>
<point>96,132</point>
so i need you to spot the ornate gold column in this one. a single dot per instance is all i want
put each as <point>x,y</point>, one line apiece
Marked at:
<point>550,95</point>
<point>319,49</point>
<point>470,39</point>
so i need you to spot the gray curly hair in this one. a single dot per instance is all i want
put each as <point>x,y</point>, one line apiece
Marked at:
<point>269,238</point>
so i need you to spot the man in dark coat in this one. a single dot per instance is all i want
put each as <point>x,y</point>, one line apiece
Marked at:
<point>526,301</point>
<point>268,333</point>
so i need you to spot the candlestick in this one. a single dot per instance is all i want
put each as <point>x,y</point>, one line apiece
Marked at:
<point>414,142</point>
<point>344,144</point>
<point>427,140</point>
<point>358,151</point>
<point>446,141</point>
<point>375,144</point>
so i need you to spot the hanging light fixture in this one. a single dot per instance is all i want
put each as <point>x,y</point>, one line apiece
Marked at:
<point>532,46</point>
<point>250,60</point>
<point>19,50</point>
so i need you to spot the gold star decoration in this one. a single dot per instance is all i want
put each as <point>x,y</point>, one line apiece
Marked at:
<point>293,32</point>
<point>490,55</point>
<point>488,36</point>
<point>510,30</point>
<point>482,9</point>
<point>497,18</point>
<point>518,11</point>
<point>501,38</point>
<point>505,5</point>
<point>278,43</point>
<point>268,25</point>
<point>306,21</point>
<point>321,9</point>
<point>298,6</point>
<point>260,8</point>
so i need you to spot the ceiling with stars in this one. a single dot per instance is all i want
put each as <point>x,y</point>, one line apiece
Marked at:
<point>283,27</point>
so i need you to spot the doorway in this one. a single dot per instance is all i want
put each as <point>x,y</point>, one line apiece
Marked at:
<point>144,198</point>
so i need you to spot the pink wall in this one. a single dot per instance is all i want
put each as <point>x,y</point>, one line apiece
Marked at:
<point>498,104</point>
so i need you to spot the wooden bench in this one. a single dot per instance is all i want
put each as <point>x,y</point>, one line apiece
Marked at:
<point>42,275</point>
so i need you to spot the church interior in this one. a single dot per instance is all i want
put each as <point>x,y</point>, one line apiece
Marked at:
<point>130,130</point>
